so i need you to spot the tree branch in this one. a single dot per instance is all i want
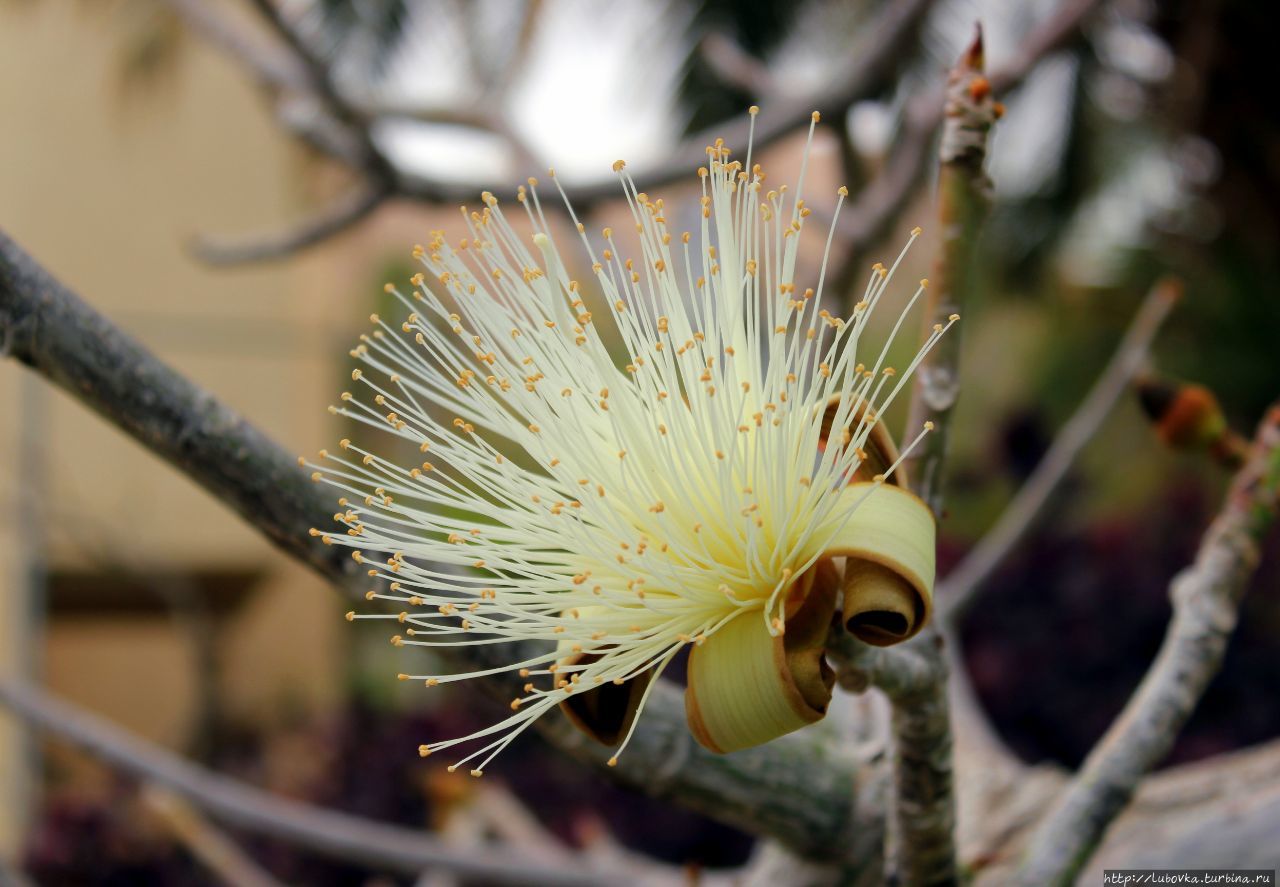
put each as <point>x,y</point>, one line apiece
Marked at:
<point>333,834</point>
<point>272,69</point>
<point>924,809</point>
<point>342,214</point>
<point>1206,600</point>
<point>875,55</point>
<point>215,849</point>
<point>796,790</point>
<point>735,66</point>
<point>877,205</point>
<point>899,672</point>
<point>885,40</point>
<point>957,592</point>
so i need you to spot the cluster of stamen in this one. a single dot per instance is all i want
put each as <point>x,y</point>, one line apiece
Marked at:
<point>617,509</point>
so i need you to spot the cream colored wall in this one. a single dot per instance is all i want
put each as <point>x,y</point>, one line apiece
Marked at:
<point>104,192</point>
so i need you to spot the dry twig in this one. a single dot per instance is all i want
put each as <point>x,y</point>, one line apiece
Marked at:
<point>1206,600</point>
<point>957,592</point>
<point>330,833</point>
<point>208,844</point>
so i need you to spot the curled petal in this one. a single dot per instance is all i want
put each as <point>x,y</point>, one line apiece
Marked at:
<point>747,686</point>
<point>881,453</point>
<point>889,542</point>
<point>606,713</point>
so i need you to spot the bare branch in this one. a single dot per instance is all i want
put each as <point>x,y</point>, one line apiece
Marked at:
<point>208,844</point>
<point>1206,599</point>
<point>876,206</point>
<point>774,790</point>
<point>923,812</point>
<point>876,52</point>
<point>342,214</point>
<point>515,62</point>
<point>339,126</point>
<point>735,66</point>
<point>333,834</point>
<point>371,160</point>
<point>899,672</point>
<point>271,68</point>
<point>51,330</point>
<point>957,592</point>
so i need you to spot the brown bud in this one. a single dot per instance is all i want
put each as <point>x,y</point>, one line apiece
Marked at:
<point>1185,416</point>
<point>1188,417</point>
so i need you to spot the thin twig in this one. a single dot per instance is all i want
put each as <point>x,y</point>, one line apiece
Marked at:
<point>958,591</point>
<point>735,66</point>
<point>512,66</point>
<point>516,825</point>
<point>207,843</point>
<point>772,790</point>
<point>210,21</point>
<point>338,125</point>
<point>342,214</point>
<point>333,834</point>
<point>878,205</point>
<point>1206,601</point>
<point>877,52</point>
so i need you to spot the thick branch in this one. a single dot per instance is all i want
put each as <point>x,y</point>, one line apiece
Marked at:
<point>957,592</point>
<point>899,672</point>
<point>45,326</point>
<point>797,790</point>
<point>1206,599</point>
<point>333,834</point>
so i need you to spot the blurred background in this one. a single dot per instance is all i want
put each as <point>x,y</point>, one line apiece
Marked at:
<point>233,181</point>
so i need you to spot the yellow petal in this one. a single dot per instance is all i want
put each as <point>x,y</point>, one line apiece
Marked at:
<point>889,540</point>
<point>747,687</point>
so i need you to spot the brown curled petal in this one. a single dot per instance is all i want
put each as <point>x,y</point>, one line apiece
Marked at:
<point>881,451</point>
<point>605,713</point>
<point>880,607</point>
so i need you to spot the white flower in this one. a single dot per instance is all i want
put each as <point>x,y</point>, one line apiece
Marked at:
<point>635,465</point>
